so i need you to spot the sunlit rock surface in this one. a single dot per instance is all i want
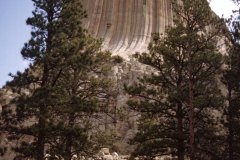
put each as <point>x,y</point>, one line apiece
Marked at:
<point>126,25</point>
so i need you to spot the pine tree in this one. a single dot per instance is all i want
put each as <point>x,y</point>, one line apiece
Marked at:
<point>182,90</point>
<point>35,105</point>
<point>231,81</point>
<point>63,84</point>
<point>81,93</point>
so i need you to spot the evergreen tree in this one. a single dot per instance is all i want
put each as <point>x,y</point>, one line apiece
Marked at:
<point>231,81</point>
<point>181,92</point>
<point>63,86</point>
<point>81,93</point>
<point>35,105</point>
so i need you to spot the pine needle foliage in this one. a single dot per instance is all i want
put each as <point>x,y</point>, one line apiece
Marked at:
<point>180,98</point>
<point>64,87</point>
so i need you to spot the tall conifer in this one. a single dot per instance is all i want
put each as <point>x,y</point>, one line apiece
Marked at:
<point>63,86</point>
<point>182,91</point>
<point>231,80</point>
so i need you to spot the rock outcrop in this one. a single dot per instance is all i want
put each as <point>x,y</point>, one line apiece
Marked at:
<point>126,25</point>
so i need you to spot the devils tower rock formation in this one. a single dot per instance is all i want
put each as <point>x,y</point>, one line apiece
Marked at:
<point>126,25</point>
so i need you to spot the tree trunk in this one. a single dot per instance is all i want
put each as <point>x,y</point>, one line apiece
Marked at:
<point>191,122</point>
<point>42,121</point>
<point>41,137</point>
<point>181,147</point>
<point>69,138</point>
<point>191,109</point>
<point>230,127</point>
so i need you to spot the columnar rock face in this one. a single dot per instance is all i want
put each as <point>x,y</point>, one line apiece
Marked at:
<point>126,25</point>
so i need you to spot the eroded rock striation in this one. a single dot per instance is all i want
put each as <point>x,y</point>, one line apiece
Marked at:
<point>126,25</point>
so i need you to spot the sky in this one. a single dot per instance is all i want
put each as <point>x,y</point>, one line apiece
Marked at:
<point>14,32</point>
<point>222,7</point>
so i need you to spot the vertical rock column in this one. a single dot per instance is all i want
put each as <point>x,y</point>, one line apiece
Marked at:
<point>126,25</point>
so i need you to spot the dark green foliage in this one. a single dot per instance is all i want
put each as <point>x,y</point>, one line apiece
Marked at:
<point>106,139</point>
<point>63,89</point>
<point>82,91</point>
<point>179,99</point>
<point>117,59</point>
<point>231,81</point>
